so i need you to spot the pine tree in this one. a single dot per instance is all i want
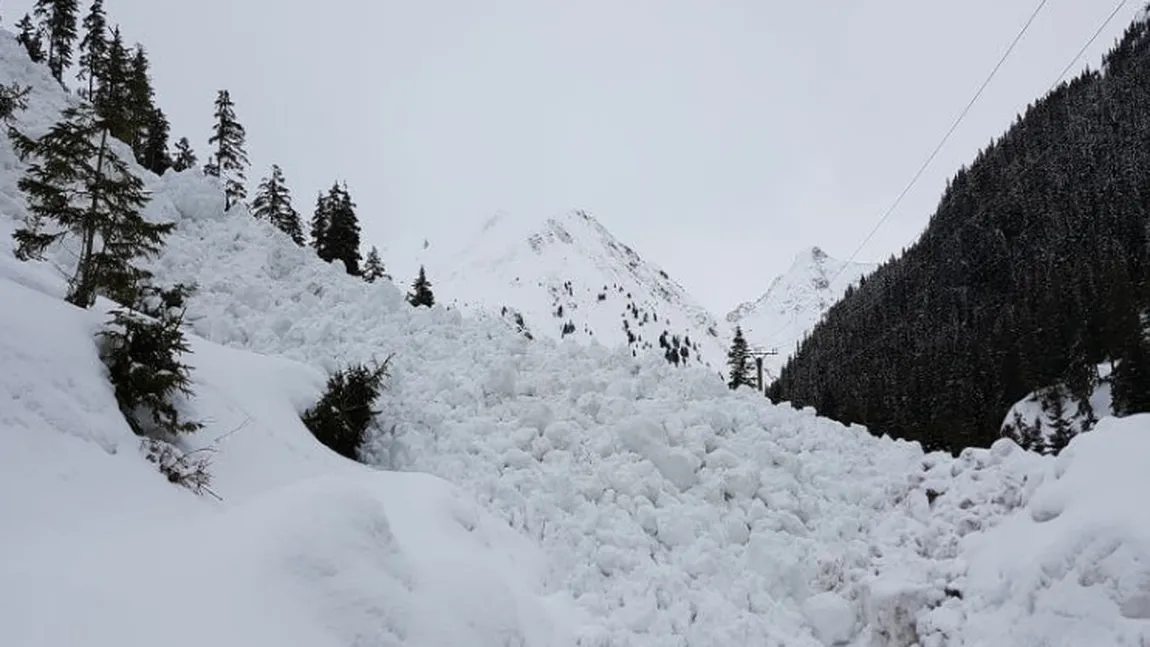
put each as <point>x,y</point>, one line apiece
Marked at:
<point>112,97</point>
<point>93,48</point>
<point>148,126</point>
<point>420,294</point>
<point>154,154</point>
<point>229,160</point>
<point>342,235</point>
<point>738,362</point>
<point>185,156</point>
<point>12,98</point>
<point>1130,386</point>
<point>79,185</point>
<point>320,221</point>
<point>30,38</point>
<point>58,22</point>
<point>273,203</point>
<point>373,269</point>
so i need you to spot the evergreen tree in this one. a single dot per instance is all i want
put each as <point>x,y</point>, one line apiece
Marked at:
<point>185,156</point>
<point>273,203</point>
<point>154,154</point>
<point>142,354</point>
<point>420,294</point>
<point>112,96</point>
<point>229,160</point>
<point>341,238</point>
<point>93,48</point>
<point>12,98</point>
<point>738,362</point>
<point>373,269</point>
<point>1130,387</point>
<point>1061,431</point>
<point>58,23</point>
<point>30,38</point>
<point>77,186</point>
<point>320,221</point>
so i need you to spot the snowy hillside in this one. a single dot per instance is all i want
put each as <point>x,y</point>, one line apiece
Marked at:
<point>795,302</point>
<point>526,492</point>
<point>569,278</point>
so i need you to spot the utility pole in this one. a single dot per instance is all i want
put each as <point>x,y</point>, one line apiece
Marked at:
<point>759,354</point>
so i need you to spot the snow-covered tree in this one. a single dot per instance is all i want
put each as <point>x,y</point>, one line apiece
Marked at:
<point>373,269</point>
<point>229,160</point>
<point>738,362</point>
<point>185,156</point>
<point>320,221</point>
<point>421,294</point>
<point>273,203</point>
<point>30,38</point>
<point>76,185</point>
<point>335,228</point>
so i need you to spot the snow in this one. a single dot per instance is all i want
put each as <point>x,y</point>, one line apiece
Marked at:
<point>569,269</point>
<point>522,492</point>
<point>795,301</point>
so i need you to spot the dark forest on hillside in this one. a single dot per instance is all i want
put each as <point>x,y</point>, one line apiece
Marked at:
<point>1032,270</point>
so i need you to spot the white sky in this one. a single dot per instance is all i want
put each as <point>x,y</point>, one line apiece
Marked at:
<point>716,137</point>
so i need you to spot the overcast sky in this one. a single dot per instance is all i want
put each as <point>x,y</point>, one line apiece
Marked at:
<point>716,137</point>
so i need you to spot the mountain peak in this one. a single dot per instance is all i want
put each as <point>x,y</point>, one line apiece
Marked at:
<point>796,300</point>
<point>568,277</point>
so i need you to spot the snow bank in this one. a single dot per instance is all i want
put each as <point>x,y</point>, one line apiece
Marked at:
<point>306,548</point>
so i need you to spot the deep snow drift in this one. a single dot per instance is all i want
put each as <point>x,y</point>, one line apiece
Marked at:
<point>602,500</point>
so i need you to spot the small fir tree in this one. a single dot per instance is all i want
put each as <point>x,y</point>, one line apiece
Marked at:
<point>229,160</point>
<point>273,203</point>
<point>185,156</point>
<point>77,186</point>
<point>320,221</point>
<point>344,414</point>
<point>30,38</point>
<point>58,22</point>
<point>93,48</point>
<point>12,98</point>
<point>738,362</point>
<point>421,294</point>
<point>142,354</point>
<point>342,235</point>
<point>373,269</point>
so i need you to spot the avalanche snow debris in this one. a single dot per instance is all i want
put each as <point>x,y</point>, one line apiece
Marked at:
<point>624,502</point>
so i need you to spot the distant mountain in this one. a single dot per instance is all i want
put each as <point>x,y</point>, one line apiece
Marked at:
<point>1034,270</point>
<point>795,302</point>
<point>569,278</point>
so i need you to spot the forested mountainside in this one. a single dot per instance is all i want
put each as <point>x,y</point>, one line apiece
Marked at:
<point>1031,272</point>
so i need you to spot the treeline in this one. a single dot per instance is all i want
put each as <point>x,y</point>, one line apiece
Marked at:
<point>1032,271</point>
<point>116,80</point>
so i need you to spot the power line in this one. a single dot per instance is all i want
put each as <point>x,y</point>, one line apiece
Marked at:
<point>1032,166</point>
<point>953,127</point>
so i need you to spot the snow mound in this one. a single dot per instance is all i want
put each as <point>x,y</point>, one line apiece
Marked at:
<point>305,549</point>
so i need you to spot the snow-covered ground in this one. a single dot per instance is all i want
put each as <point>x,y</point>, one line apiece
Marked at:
<point>529,493</point>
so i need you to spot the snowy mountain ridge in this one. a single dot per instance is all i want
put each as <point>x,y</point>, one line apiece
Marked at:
<point>570,278</point>
<point>549,495</point>
<point>795,302</point>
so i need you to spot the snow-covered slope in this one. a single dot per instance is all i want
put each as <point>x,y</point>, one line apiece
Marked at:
<point>795,302</point>
<point>569,278</point>
<point>602,500</point>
